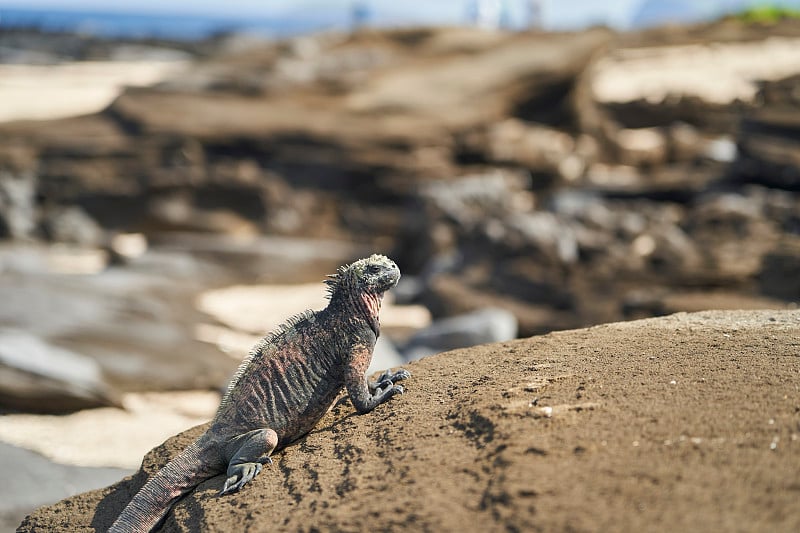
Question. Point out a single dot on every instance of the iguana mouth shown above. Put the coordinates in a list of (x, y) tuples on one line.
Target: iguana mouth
[(390, 284), (388, 281)]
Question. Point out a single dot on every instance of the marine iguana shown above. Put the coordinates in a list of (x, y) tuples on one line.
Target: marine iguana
[(281, 390)]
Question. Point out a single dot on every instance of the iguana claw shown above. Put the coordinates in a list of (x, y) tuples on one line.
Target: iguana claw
[(243, 474)]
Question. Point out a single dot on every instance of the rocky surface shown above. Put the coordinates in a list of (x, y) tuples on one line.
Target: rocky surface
[(75, 337), (541, 174), (483, 326), (689, 421), (115, 437), (79, 326), (500, 169)]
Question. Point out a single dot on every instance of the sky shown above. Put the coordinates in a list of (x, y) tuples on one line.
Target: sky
[(556, 13)]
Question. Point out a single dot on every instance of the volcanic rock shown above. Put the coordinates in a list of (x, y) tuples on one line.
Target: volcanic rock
[(622, 426)]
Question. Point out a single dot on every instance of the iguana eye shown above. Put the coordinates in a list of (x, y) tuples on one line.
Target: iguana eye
[(373, 269)]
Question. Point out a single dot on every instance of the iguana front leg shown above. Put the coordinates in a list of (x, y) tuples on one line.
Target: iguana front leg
[(246, 454), (364, 397), (388, 378)]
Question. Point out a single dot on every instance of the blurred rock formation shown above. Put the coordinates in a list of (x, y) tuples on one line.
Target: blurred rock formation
[(500, 170)]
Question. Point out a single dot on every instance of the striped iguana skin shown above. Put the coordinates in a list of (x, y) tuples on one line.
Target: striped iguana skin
[(283, 388)]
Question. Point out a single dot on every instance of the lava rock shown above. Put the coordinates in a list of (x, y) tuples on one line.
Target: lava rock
[(38, 376), (449, 296), (780, 271), (18, 216), (483, 326), (72, 225)]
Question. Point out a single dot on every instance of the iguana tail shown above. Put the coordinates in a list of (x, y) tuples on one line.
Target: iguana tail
[(161, 491)]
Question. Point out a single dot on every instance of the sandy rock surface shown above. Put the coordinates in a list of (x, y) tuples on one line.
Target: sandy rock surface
[(548, 174), (109, 436), (73, 88), (719, 72), (689, 421)]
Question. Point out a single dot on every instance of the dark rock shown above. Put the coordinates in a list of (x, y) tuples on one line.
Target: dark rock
[(470, 200), (137, 327), (478, 327), (586, 207), (669, 252), (18, 215), (544, 234), (529, 279), (643, 303), (72, 225), (675, 183), (770, 150), (709, 117), (780, 92), (37, 376), (447, 296), (780, 271), (731, 231), (538, 149), (769, 137), (659, 301), (450, 213)]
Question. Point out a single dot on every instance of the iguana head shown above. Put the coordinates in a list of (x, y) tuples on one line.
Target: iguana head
[(372, 275)]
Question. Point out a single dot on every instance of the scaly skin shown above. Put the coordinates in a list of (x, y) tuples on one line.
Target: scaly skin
[(288, 382)]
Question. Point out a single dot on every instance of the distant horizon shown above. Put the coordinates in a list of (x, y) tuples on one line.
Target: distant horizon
[(185, 19), (168, 25), (569, 14)]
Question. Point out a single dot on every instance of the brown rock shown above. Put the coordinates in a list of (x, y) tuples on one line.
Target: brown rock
[(770, 151), (641, 147), (617, 427), (448, 296), (36, 376), (658, 301), (539, 149), (678, 182), (780, 271), (733, 234)]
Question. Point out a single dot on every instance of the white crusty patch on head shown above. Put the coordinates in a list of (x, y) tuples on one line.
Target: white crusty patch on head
[(344, 272)]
